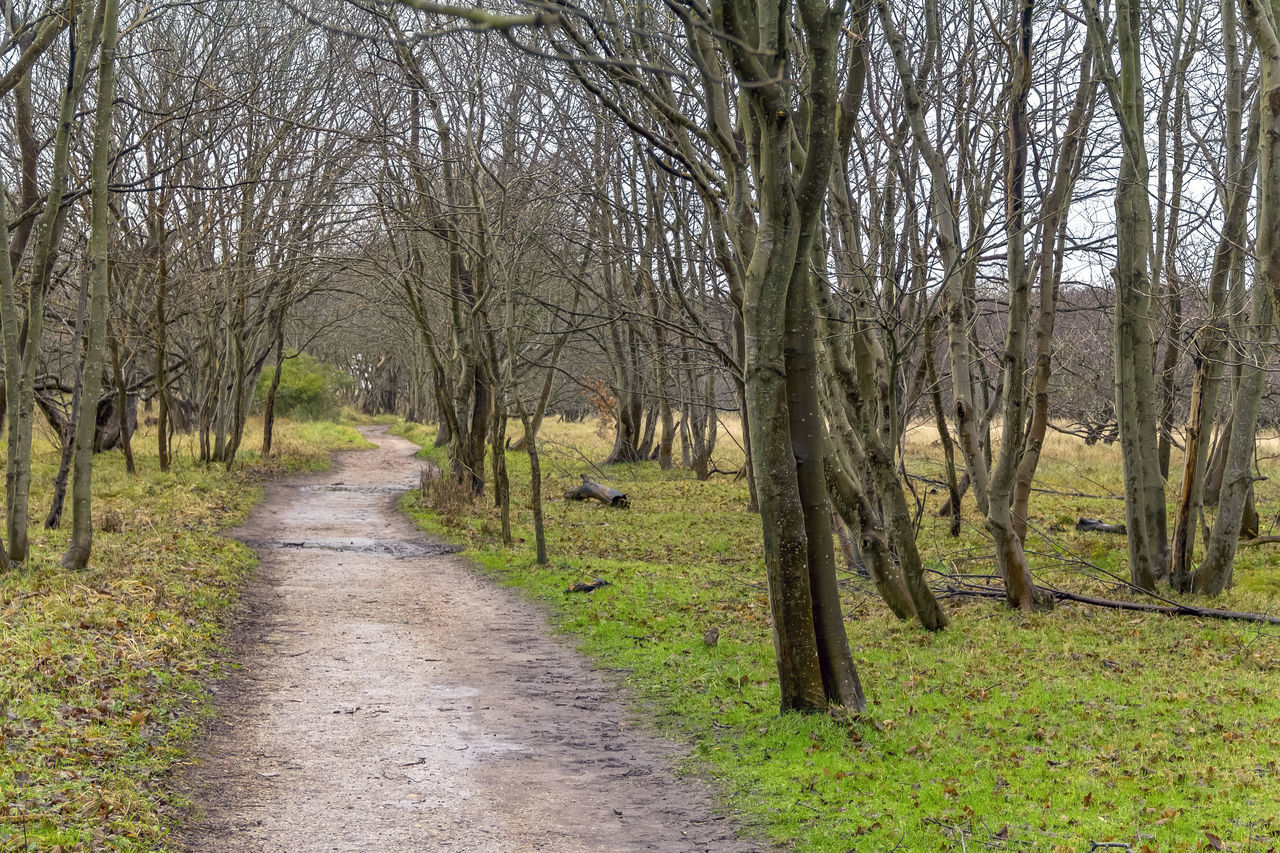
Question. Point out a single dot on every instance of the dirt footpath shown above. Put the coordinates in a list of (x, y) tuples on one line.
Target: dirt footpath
[(392, 700)]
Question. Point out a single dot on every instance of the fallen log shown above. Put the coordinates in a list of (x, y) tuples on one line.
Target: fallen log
[(588, 587), (1097, 525), (591, 490)]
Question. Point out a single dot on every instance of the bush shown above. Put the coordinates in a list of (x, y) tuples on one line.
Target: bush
[(308, 390)]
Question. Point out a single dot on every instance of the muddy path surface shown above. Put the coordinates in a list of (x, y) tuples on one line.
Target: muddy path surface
[(390, 699)]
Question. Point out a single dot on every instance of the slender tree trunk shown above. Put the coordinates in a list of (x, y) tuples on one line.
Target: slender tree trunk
[(162, 363), (66, 434), (1215, 572), (1134, 354), (1052, 249), (1020, 588), (269, 412), (122, 405), (77, 555), (237, 412), (956, 300), (667, 439), (535, 499), (952, 505), (22, 351), (1207, 355), (501, 483), (444, 407), (470, 468), (1207, 348)]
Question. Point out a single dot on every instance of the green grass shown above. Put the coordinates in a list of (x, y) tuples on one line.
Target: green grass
[(101, 671), (1044, 732)]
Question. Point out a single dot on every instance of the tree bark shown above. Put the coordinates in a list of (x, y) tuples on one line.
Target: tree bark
[(122, 406), (1020, 588), (1215, 571), (1209, 343), (814, 663), (1133, 349), (77, 555), (269, 411), (162, 355), (24, 336), (951, 507), (1052, 248)]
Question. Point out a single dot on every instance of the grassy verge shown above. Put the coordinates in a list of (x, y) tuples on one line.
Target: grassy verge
[(100, 671), (1048, 732)]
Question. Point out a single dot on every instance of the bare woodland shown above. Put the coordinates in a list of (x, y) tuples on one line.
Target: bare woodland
[(824, 220)]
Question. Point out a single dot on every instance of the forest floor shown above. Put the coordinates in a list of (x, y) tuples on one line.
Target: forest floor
[(388, 698), (1052, 731)]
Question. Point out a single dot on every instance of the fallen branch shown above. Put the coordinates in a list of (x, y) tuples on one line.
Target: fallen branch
[(1114, 604), (28, 817), (1042, 490), (1261, 540)]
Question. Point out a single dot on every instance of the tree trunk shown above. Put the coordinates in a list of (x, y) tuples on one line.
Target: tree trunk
[(851, 503), (269, 411), (815, 665), (66, 431), (808, 440), (444, 434), (77, 555), (1133, 349), (122, 406), (1020, 588), (1215, 572), (23, 342), (626, 440), (162, 361), (469, 461), (237, 413), (501, 483), (1052, 248), (1207, 348), (965, 412), (952, 505)]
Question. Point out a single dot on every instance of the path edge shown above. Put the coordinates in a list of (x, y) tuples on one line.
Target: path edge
[(680, 752), (243, 629)]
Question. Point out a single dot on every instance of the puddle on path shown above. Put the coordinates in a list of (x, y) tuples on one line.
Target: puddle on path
[(373, 490), (394, 548)]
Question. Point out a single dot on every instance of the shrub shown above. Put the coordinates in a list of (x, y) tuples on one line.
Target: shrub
[(309, 389)]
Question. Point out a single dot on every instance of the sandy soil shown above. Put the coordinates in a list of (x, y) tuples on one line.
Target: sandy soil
[(390, 699)]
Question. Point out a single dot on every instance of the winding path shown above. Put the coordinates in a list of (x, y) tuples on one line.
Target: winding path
[(392, 700)]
